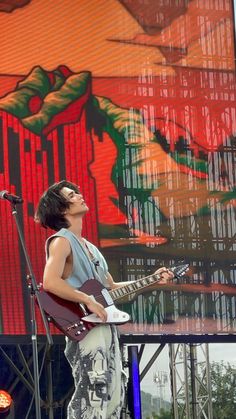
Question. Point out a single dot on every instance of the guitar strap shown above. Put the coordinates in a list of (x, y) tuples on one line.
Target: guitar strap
[(93, 260), (91, 256)]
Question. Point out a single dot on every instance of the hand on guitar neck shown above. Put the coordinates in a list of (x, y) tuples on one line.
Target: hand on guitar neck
[(162, 276), (166, 275)]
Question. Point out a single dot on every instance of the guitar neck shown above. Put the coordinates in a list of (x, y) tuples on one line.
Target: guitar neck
[(134, 287)]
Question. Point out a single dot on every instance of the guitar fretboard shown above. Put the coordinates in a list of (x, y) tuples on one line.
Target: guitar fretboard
[(134, 286)]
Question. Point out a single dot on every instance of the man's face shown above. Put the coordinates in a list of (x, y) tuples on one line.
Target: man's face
[(77, 203)]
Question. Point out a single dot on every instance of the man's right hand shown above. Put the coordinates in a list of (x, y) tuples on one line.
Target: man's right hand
[(96, 308)]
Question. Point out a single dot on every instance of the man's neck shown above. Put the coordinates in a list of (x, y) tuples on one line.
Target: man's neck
[(76, 226)]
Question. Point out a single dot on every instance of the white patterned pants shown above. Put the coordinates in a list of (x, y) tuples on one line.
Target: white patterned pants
[(97, 372)]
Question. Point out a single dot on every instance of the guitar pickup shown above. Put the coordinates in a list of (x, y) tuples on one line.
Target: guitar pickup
[(107, 297)]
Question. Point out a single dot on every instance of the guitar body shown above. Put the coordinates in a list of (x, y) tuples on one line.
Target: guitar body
[(73, 319)]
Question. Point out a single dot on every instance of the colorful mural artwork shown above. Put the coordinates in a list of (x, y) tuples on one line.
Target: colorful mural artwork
[(135, 102)]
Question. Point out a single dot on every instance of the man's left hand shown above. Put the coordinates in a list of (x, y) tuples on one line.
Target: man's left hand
[(166, 275)]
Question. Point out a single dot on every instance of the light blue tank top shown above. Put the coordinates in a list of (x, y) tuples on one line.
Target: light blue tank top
[(84, 267)]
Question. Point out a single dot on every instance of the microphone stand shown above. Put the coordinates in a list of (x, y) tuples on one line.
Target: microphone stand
[(33, 294)]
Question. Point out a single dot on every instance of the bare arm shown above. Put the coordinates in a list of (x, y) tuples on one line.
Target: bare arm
[(165, 274), (59, 251)]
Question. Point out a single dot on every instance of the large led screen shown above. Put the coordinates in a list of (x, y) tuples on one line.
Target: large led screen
[(135, 102)]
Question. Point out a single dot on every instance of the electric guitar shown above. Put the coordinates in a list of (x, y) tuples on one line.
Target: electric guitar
[(74, 319)]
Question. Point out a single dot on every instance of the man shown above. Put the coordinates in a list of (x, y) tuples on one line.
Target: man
[(71, 261)]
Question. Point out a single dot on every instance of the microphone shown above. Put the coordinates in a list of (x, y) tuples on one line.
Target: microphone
[(11, 198)]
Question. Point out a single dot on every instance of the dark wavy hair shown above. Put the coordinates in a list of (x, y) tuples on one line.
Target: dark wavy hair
[(52, 205)]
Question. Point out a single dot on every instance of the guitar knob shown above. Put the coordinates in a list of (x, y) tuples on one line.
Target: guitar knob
[(78, 333)]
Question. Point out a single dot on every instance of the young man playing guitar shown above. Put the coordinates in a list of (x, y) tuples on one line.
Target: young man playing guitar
[(71, 262)]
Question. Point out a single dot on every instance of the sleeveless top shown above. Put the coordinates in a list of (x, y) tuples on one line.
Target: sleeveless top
[(84, 267)]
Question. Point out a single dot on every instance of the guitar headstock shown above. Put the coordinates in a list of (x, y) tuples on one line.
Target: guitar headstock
[(180, 270)]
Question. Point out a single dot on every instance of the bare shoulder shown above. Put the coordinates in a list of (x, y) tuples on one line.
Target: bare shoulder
[(59, 246)]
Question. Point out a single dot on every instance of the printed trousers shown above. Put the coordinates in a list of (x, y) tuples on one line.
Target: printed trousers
[(97, 371)]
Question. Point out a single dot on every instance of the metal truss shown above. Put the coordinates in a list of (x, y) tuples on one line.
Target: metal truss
[(16, 363), (190, 381)]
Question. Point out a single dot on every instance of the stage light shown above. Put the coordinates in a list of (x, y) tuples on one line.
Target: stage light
[(5, 402)]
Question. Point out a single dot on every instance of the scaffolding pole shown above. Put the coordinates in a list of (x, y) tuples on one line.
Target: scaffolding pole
[(190, 381)]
